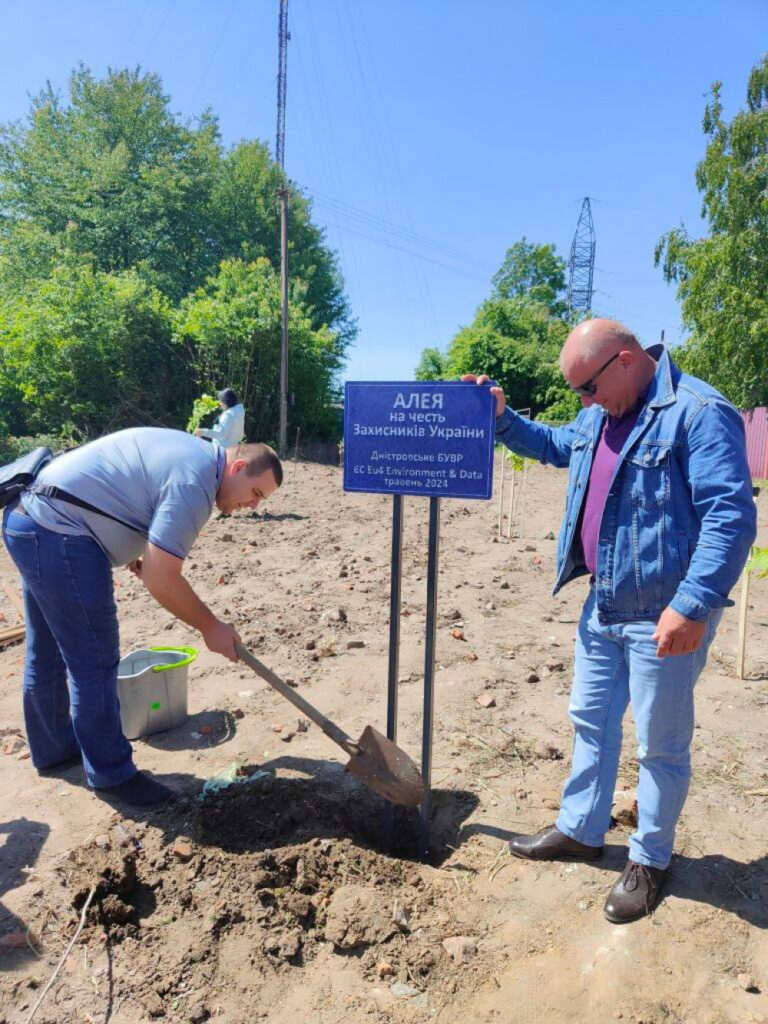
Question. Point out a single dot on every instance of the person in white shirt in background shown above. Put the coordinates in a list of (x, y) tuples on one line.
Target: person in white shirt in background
[(229, 428)]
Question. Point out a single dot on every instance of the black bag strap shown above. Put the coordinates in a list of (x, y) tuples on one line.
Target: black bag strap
[(71, 499), (17, 476)]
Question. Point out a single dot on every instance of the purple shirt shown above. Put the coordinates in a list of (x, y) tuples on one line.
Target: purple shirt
[(612, 437)]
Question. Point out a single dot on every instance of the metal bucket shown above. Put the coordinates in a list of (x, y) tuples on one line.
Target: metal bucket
[(152, 689)]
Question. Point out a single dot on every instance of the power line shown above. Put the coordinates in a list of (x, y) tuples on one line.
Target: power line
[(631, 209), (618, 302), (130, 37), (160, 28), (374, 221), (372, 137), (398, 177), (214, 51), (322, 126), (409, 252)]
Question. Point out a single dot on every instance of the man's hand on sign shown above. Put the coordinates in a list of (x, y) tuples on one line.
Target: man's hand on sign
[(677, 635), (220, 638), (496, 391)]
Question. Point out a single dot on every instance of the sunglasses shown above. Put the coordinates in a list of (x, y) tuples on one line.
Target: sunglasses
[(588, 388)]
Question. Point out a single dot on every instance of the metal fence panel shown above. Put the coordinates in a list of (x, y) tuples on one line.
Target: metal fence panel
[(756, 427)]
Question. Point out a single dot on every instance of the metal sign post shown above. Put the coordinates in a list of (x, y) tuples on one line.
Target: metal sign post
[(429, 670), (394, 646), (433, 440)]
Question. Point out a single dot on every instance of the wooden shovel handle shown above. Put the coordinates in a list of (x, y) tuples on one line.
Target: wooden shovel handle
[(331, 730)]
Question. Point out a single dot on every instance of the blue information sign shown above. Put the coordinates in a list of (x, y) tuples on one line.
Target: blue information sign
[(433, 439)]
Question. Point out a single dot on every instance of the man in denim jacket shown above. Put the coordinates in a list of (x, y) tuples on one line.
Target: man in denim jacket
[(659, 514)]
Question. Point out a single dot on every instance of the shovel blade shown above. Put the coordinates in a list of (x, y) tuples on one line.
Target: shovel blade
[(386, 769)]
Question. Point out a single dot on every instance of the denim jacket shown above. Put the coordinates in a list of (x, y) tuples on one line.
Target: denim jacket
[(679, 518)]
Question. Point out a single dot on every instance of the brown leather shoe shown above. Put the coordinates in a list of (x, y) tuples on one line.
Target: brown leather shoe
[(635, 894), (551, 844)]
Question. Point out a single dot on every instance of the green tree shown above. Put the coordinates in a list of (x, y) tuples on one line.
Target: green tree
[(432, 365), (247, 226), (115, 177), (517, 342), (109, 186), (85, 351), (722, 279), (231, 330), (533, 272), (516, 335), (117, 174)]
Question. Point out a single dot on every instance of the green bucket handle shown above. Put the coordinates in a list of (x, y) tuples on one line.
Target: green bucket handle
[(190, 653)]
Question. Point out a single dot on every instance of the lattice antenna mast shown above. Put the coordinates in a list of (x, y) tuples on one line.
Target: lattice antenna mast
[(282, 61), (282, 67), (581, 262)]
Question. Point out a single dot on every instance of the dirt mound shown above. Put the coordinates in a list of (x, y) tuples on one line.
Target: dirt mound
[(111, 873), (274, 811), (179, 901)]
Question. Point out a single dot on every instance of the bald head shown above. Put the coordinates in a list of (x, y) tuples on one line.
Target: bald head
[(594, 341), (586, 351)]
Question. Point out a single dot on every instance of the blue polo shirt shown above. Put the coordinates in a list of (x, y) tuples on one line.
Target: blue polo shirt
[(163, 482)]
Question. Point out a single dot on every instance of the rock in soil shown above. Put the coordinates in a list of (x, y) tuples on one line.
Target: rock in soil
[(334, 615), (624, 809), (747, 983), (460, 948), (401, 990), (153, 1004), (401, 918), (356, 918), (182, 850), (547, 752)]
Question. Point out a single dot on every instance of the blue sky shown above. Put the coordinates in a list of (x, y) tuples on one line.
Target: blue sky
[(435, 134)]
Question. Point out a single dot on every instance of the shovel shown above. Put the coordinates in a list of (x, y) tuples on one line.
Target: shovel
[(374, 760)]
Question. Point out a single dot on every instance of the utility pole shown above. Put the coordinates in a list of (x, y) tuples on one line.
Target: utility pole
[(581, 262), (282, 44)]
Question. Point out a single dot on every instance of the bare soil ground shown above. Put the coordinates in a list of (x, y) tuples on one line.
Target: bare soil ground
[(273, 902)]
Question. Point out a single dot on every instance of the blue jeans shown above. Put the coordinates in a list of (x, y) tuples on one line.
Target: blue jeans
[(615, 665), (70, 671)]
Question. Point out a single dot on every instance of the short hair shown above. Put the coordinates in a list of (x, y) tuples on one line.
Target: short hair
[(228, 397), (260, 457)]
